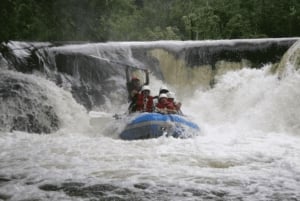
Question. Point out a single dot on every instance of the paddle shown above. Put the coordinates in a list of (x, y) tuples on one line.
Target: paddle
[(120, 116)]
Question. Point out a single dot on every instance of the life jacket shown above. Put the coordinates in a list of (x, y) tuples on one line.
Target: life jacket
[(175, 104), (169, 107), (161, 105), (144, 104)]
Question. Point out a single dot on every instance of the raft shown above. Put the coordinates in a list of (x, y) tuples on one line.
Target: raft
[(154, 125)]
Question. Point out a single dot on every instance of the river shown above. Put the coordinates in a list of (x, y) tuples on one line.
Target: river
[(248, 148)]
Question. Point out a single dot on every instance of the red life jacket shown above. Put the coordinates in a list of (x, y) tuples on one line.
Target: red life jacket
[(144, 104), (167, 105), (176, 106), (161, 105)]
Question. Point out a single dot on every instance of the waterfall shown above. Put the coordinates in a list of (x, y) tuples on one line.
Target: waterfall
[(290, 61), (95, 73)]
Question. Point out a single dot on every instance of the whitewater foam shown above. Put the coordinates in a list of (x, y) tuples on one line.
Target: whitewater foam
[(248, 150), (253, 98)]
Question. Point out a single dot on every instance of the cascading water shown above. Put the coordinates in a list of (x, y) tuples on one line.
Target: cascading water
[(248, 148)]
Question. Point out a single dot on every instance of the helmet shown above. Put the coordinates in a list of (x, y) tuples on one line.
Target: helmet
[(163, 96), (163, 89), (145, 87), (171, 95)]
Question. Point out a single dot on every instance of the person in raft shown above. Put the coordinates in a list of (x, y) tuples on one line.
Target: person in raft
[(162, 90), (134, 86), (175, 104), (144, 101), (164, 106)]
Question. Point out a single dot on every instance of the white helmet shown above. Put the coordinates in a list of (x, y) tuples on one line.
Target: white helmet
[(163, 96), (145, 87), (163, 88), (171, 95)]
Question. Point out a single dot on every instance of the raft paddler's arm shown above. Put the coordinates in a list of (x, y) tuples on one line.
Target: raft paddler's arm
[(133, 93), (147, 77), (170, 111), (160, 110), (127, 74)]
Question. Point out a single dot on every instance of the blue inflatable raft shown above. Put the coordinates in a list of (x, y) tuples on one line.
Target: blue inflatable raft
[(153, 125)]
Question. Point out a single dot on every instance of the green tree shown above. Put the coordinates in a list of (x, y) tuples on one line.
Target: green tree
[(116, 20), (237, 27), (7, 22), (203, 23)]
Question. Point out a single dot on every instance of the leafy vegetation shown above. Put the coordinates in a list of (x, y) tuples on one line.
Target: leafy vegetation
[(127, 20)]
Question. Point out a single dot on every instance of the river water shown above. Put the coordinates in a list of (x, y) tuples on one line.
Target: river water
[(248, 149)]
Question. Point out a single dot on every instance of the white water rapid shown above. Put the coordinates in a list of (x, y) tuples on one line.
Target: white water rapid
[(248, 149)]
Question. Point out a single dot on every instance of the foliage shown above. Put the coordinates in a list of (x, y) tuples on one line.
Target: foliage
[(125, 20)]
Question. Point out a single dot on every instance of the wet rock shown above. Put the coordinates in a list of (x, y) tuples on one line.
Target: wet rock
[(4, 196), (50, 187), (109, 192), (4, 179), (141, 186), (24, 105), (123, 191), (89, 78), (88, 191), (93, 192), (207, 195), (32, 199)]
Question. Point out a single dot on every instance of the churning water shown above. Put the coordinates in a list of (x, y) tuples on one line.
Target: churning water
[(248, 149)]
